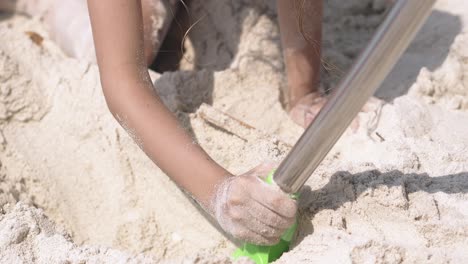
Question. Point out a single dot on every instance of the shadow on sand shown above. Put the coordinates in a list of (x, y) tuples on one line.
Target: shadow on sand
[(344, 187)]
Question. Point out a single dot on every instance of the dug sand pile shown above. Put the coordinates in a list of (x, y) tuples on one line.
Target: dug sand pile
[(394, 191)]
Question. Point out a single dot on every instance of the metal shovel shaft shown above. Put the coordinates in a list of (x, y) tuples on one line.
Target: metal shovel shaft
[(376, 61)]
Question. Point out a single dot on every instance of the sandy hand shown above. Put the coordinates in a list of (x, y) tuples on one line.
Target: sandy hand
[(307, 108), (304, 112), (251, 210)]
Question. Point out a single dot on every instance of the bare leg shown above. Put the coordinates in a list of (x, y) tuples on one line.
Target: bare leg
[(29, 7), (77, 39), (157, 18), (69, 25)]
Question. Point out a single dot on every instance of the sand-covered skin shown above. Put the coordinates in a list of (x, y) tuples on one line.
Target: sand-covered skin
[(395, 191)]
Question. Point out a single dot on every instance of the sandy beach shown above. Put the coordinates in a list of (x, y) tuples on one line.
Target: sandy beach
[(75, 188)]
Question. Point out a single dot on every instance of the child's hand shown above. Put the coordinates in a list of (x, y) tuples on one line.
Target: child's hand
[(307, 108), (251, 210), (304, 112)]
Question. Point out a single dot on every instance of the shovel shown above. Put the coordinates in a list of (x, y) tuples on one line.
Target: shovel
[(369, 71)]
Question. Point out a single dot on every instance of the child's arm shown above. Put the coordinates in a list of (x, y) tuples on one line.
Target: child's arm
[(302, 53), (244, 206), (118, 36)]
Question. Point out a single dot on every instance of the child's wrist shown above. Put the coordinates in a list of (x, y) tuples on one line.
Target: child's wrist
[(213, 188)]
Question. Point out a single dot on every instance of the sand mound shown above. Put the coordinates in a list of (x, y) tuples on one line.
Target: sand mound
[(27, 235), (446, 86), (400, 198), (106, 177), (395, 191)]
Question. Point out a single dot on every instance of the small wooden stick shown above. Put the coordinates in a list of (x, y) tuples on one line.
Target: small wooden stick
[(235, 126)]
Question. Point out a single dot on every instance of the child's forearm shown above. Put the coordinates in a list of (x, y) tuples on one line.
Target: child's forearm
[(301, 40), (118, 36), (159, 134)]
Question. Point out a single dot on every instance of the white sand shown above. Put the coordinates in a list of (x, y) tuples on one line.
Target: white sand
[(393, 192)]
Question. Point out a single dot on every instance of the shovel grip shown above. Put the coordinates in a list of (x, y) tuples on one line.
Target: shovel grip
[(267, 254)]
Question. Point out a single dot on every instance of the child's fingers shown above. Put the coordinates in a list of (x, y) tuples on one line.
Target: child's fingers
[(275, 200)]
